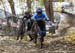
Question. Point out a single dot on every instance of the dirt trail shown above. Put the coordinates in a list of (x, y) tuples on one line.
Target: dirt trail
[(52, 45)]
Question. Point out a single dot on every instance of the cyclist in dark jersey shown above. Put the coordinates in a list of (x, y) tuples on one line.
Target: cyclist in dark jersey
[(27, 17)]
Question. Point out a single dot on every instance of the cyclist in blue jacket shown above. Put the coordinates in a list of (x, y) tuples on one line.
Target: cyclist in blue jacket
[(40, 18)]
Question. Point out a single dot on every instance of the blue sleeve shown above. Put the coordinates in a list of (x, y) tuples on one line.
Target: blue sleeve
[(33, 17), (45, 16)]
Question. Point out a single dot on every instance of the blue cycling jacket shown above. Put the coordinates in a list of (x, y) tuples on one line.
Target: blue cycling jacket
[(43, 16)]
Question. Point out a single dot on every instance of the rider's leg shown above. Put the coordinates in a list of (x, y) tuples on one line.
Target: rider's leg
[(18, 37), (31, 38), (43, 28), (41, 39), (28, 29), (22, 35), (35, 38)]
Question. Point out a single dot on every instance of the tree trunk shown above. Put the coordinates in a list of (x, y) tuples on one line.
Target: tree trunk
[(49, 9), (5, 13), (4, 7), (11, 2), (29, 5)]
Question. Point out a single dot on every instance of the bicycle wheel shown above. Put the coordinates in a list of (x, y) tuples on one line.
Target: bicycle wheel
[(39, 41)]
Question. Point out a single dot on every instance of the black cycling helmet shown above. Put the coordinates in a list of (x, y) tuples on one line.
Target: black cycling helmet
[(27, 13), (39, 11)]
